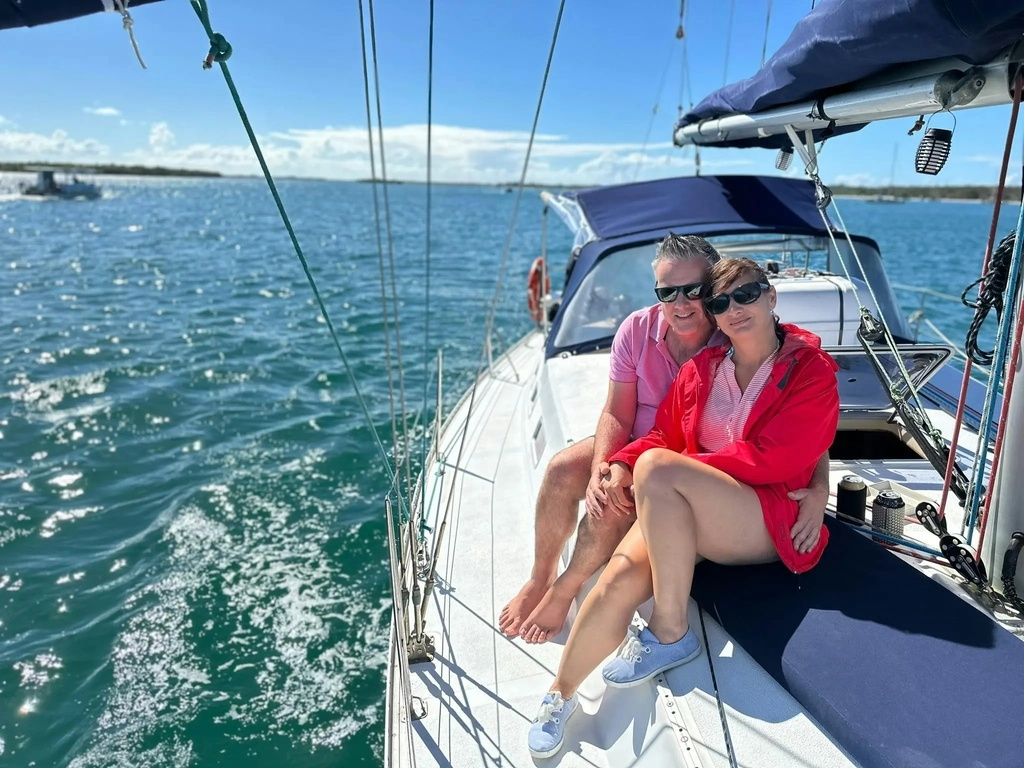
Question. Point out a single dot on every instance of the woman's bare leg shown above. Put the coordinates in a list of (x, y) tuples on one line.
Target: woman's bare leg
[(685, 507), (605, 615)]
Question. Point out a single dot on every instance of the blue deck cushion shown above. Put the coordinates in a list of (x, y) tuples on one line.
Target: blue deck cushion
[(899, 670)]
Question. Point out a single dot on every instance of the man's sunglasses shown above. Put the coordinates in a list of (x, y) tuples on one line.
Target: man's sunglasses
[(747, 293), (668, 293)]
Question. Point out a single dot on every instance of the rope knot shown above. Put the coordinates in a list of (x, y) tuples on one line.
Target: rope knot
[(220, 50)]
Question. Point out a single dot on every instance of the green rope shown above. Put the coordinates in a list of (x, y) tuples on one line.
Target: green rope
[(220, 51)]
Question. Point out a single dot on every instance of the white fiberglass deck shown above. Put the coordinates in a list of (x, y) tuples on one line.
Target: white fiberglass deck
[(483, 689)]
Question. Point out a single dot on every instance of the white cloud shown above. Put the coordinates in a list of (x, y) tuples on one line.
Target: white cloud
[(161, 137), (2, 119), (459, 155), (857, 180), (103, 111), (16, 145)]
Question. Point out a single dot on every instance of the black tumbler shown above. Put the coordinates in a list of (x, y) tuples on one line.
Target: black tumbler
[(852, 498)]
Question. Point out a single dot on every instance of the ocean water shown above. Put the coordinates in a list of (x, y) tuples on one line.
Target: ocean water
[(193, 567)]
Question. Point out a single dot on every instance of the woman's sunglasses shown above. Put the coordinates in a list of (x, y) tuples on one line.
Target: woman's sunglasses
[(668, 293), (747, 293)]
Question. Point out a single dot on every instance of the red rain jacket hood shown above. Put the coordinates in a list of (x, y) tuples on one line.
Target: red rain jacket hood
[(791, 424)]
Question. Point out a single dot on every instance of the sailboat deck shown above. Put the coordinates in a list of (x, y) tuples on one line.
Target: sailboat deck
[(482, 690)]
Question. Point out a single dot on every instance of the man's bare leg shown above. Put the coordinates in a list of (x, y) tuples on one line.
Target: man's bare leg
[(595, 543), (564, 486)]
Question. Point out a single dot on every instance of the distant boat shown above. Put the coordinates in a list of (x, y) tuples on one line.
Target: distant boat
[(61, 184)]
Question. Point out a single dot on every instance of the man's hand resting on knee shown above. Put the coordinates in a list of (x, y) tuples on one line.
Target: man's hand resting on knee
[(618, 487), (597, 500)]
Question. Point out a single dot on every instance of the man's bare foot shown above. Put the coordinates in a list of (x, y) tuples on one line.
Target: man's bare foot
[(519, 607), (548, 617)]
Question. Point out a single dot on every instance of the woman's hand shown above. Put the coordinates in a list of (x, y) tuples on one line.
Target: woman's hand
[(618, 487), (807, 529)]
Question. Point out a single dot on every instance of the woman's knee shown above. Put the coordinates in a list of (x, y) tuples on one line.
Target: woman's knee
[(660, 467), (624, 573)]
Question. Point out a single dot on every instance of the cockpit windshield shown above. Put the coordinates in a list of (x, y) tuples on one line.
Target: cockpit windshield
[(622, 281)]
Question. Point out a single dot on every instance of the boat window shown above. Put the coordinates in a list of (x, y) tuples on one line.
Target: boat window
[(874, 273), (623, 281)]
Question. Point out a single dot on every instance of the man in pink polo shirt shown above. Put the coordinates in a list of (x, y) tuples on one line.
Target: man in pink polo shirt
[(647, 352)]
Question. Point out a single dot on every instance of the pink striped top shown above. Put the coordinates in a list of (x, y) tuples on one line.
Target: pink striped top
[(725, 414)]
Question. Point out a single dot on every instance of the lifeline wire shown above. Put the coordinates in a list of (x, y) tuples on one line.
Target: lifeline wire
[(220, 51)]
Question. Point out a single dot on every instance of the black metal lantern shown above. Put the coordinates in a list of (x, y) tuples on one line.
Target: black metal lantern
[(933, 151), (784, 158)]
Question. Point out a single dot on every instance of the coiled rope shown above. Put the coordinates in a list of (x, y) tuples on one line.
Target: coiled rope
[(993, 285)]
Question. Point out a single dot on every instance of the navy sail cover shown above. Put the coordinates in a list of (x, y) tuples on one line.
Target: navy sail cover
[(33, 13), (841, 42)]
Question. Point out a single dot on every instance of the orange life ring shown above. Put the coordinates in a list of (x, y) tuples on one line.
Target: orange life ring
[(534, 294)]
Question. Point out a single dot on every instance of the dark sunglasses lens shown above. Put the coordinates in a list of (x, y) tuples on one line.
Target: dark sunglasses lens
[(747, 294), (666, 293), (718, 304), (693, 291)]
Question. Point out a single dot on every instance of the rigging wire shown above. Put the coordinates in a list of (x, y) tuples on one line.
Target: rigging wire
[(380, 243), (767, 25), (684, 75), (426, 255), (497, 288), (219, 51), (997, 205), (728, 43), (654, 111), (975, 490), (916, 420), (391, 255), (1004, 413)]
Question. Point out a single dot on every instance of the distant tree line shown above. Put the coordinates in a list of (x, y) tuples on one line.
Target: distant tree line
[(986, 193), (111, 170)]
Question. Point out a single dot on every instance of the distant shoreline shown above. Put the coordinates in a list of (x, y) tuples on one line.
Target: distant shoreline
[(110, 169), (952, 193)]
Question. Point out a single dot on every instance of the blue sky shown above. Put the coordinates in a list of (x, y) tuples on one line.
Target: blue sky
[(74, 92)]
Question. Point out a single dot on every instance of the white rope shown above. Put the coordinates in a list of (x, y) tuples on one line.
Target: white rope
[(128, 22)]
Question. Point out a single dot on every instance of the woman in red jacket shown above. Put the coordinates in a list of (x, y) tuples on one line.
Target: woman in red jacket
[(741, 428)]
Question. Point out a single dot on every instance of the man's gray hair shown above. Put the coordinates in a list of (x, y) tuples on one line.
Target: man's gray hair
[(685, 248)]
